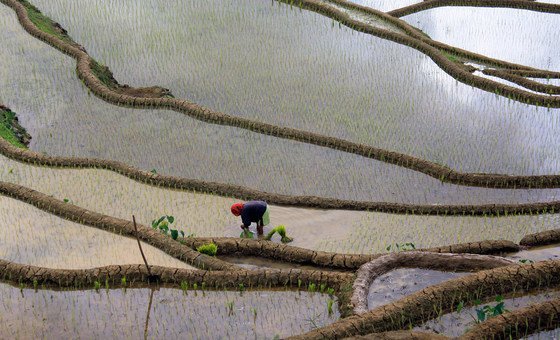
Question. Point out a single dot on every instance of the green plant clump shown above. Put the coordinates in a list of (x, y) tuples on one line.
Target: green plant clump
[(163, 225), (105, 75), (209, 249), (489, 311), (281, 230), (401, 246), (44, 23), (9, 127)]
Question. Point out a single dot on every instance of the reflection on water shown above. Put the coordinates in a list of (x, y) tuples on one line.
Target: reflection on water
[(514, 35), (231, 56), (402, 282)]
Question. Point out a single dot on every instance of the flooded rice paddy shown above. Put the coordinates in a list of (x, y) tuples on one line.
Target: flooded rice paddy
[(173, 313), (111, 194), (402, 282), (518, 36), (233, 56), (312, 85), (455, 324), (31, 236)]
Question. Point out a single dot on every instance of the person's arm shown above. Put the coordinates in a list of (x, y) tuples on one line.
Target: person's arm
[(246, 219)]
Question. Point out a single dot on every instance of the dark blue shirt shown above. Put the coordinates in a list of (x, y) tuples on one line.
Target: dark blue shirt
[(252, 211)]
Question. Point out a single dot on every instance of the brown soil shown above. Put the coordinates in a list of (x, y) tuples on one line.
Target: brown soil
[(541, 239), (76, 278)]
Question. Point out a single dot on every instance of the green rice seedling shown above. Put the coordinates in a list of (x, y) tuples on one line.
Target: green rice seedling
[(281, 230), (96, 285), (254, 312), (330, 292), (123, 281), (312, 287), (460, 306), (230, 306), (247, 234), (209, 249), (330, 303), (525, 261), (184, 286)]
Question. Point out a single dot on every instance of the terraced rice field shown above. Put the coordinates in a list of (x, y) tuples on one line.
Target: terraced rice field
[(410, 149)]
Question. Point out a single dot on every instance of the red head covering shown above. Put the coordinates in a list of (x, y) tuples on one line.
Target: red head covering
[(236, 208)]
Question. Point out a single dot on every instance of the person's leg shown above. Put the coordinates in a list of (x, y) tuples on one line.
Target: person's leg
[(260, 230)]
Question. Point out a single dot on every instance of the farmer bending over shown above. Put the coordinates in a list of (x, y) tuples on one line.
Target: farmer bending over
[(252, 211)]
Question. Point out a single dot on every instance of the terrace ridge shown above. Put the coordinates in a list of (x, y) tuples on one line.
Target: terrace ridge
[(85, 66)]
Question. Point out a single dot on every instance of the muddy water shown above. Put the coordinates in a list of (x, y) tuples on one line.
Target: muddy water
[(329, 80), (517, 36), (455, 324), (207, 215), (538, 254), (173, 314), (31, 236), (402, 282), (548, 335)]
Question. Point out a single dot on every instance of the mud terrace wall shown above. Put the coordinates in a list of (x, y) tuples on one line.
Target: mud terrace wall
[(85, 278), (283, 252), (445, 262), (503, 277), (229, 190), (519, 323), (413, 38), (441, 298), (519, 4)]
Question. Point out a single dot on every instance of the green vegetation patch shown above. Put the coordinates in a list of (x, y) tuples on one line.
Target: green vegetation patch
[(10, 129), (105, 75), (45, 23), (209, 249)]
